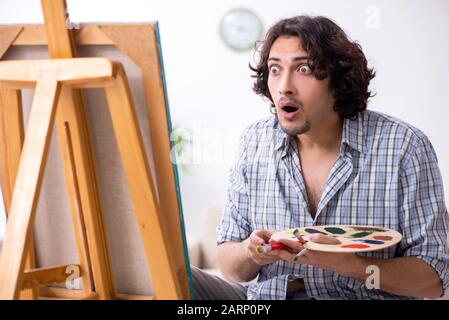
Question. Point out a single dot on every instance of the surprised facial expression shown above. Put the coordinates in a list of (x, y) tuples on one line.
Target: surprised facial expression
[(302, 102)]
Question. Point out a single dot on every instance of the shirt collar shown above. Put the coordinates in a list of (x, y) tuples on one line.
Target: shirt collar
[(282, 139), (352, 135)]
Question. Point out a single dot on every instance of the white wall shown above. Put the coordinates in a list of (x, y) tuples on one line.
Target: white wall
[(209, 86)]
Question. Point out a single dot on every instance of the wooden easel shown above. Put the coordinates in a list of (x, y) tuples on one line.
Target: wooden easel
[(57, 88)]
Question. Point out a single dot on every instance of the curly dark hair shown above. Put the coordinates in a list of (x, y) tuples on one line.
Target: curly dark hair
[(331, 53)]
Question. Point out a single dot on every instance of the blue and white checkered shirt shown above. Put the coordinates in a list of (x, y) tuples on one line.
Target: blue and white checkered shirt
[(385, 175)]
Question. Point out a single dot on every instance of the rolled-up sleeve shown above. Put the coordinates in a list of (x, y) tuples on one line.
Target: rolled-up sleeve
[(424, 218), (234, 224)]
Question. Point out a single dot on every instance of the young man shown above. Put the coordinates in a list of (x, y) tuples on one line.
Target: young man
[(324, 159)]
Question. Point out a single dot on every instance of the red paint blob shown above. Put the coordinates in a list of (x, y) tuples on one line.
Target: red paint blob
[(385, 238), (355, 246)]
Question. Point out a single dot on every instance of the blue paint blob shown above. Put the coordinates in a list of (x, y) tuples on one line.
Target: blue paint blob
[(371, 241)]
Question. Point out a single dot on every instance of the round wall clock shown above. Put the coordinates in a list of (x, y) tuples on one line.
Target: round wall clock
[(240, 28)]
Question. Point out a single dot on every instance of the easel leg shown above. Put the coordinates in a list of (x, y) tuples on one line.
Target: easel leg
[(83, 194), (141, 187), (78, 216), (87, 202), (27, 184), (11, 141)]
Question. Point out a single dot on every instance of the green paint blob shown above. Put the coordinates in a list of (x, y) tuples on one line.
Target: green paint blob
[(335, 230), (312, 231), (361, 234)]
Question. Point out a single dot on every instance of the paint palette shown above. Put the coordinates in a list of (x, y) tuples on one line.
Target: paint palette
[(353, 238)]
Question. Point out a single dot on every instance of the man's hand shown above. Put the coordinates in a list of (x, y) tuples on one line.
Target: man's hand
[(258, 238), (240, 262), (342, 263)]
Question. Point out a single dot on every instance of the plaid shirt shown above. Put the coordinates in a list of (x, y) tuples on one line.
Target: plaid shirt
[(385, 175)]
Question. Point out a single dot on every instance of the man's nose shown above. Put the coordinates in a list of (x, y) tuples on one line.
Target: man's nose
[(286, 86)]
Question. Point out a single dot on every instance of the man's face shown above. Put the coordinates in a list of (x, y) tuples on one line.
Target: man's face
[(302, 102)]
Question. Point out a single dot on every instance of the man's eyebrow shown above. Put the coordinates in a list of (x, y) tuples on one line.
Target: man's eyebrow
[(294, 59)]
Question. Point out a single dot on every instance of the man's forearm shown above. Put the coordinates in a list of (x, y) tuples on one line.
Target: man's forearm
[(233, 262), (405, 276)]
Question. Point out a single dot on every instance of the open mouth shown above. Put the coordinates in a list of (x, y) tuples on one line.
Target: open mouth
[(289, 109)]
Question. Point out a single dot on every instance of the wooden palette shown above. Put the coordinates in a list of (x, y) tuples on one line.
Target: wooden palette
[(353, 238)]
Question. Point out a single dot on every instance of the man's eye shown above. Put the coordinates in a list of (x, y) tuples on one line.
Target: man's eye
[(274, 69), (305, 69)]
